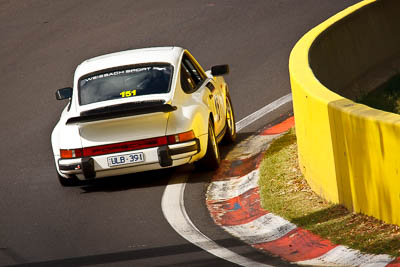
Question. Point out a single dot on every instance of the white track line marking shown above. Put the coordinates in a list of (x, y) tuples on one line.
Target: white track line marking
[(344, 256), (263, 111), (172, 205)]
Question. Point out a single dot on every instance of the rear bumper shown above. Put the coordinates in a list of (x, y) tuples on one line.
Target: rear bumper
[(155, 158)]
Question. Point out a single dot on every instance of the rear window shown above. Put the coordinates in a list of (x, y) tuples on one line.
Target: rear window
[(125, 83)]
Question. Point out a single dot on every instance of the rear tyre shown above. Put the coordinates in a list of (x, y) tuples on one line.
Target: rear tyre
[(230, 125), (67, 181), (212, 158)]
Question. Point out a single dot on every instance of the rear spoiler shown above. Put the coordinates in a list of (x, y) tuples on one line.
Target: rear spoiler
[(122, 110)]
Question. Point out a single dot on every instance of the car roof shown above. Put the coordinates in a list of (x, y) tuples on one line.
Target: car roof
[(170, 54)]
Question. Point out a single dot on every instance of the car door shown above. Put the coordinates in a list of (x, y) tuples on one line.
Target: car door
[(194, 78)]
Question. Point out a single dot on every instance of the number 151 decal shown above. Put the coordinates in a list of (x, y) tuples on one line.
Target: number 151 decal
[(128, 93)]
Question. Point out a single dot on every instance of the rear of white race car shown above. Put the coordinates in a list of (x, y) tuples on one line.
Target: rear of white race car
[(126, 145), (131, 129), (129, 157), (128, 112)]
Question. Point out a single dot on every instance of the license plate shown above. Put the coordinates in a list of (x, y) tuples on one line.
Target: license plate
[(125, 159)]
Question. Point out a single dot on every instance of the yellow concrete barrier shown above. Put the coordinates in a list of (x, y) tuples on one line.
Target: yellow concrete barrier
[(348, 152)]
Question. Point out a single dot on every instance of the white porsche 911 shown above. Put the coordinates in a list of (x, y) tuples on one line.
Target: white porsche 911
[(141, 110)]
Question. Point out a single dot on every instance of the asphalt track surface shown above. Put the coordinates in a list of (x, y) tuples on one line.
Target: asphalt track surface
[(119, 221)]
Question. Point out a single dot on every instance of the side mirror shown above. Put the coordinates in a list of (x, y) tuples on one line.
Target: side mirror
[(64, 93), (219, 70)]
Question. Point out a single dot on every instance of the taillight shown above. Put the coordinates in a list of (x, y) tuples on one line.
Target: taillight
[(182, 137), (71, 153), (124, 146), (127, 146)]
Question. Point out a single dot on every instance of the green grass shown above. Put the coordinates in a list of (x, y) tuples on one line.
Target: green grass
[(285, 192), (386, 97)]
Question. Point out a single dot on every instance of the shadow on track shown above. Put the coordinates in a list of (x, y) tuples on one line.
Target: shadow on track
[(126, 182), (131, 255)]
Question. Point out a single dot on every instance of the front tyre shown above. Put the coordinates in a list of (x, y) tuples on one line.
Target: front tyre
[(230, 124), (212, 158)]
